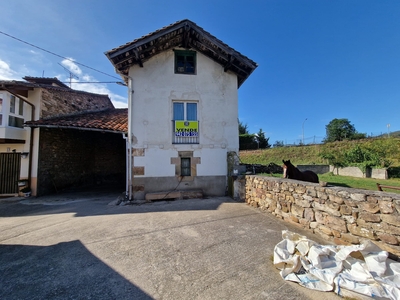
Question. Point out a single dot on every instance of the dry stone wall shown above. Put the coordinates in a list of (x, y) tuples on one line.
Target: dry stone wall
[(338, 214)]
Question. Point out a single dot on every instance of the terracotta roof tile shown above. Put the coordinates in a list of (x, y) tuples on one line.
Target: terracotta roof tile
[(111, 120)]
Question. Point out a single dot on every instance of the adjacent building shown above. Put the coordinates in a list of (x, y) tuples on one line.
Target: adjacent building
[(53, 137)]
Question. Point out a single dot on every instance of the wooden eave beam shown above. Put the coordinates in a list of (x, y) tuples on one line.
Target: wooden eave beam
[(19, 90), (206, 36), (136, 56), (186, 37), (229, 63), (146, 40)]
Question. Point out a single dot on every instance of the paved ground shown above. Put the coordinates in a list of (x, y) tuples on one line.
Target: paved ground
[(77, 246)]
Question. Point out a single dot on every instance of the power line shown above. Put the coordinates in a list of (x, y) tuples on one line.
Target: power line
[(92, 82), (15, 38), (71, 75)]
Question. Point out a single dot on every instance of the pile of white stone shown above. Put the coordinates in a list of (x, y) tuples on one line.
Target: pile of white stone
[(364, 269)]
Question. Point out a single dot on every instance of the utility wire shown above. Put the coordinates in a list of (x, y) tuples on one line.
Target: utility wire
[(13, 37), (90, 81)]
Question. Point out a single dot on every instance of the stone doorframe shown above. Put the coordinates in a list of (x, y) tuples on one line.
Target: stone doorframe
[(194, 161)]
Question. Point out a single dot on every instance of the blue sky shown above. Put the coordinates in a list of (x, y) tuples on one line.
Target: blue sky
[(318, 59)]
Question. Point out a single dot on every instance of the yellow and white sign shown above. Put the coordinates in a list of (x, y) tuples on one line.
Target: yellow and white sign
[(187, 128)]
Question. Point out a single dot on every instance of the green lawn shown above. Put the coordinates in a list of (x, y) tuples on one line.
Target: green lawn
[(354, 182)]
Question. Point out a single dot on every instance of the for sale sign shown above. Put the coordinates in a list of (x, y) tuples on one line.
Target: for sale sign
[(187, 128)]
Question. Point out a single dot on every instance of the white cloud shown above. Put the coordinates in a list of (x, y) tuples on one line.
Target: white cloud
[(70, 65), (119, 104), (87, 78), (89, 84), (6, 73), (99, 88)]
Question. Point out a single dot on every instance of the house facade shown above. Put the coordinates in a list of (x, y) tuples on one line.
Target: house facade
[(43, 157), (183, 109)]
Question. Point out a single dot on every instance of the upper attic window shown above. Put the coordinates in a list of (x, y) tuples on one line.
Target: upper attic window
[(185, 62)]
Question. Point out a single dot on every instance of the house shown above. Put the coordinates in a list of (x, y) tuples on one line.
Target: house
[(53, 137), (183, 109)]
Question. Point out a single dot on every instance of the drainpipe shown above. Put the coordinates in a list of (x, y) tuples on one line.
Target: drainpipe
[(31, 132), (128, 138), (129, 152), (125, 137)]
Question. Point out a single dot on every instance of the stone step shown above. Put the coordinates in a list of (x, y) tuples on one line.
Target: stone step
[(185, 194)]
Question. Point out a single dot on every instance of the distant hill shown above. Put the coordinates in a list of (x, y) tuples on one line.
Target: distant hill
[(392, 134), (310, 154)]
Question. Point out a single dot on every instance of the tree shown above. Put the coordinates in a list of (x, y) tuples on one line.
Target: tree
[(262, 140), (341, 129), (334, 158), (243, 128), (279, 144), (247, 142)]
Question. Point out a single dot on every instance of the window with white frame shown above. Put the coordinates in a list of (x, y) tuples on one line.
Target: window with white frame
[(13, 99), (185, 111), (21, 107), (15, 117), (1, 109), (185, 123)]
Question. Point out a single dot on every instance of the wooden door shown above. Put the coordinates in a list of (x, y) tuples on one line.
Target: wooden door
[(10, 167)]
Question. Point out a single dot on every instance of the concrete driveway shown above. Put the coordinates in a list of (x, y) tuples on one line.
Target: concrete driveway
[(76, 246)]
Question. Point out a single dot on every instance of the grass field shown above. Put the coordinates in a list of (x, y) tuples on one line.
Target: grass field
[(310, 154), (354, 182)]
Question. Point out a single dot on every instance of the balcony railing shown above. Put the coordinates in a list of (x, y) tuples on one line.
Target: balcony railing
[(185, 132)]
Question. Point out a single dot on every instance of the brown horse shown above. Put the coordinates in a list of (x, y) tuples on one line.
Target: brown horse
[(291, 172)]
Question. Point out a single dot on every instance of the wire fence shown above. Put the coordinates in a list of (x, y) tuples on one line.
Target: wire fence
[(313, 140)]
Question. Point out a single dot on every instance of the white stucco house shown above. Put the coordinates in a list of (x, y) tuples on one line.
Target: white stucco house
[(182, 111)]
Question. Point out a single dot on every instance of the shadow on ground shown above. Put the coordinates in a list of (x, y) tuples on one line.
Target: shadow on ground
[(99, 202), (61, 271)]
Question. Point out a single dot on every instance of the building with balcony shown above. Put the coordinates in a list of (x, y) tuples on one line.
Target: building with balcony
[(183, 109), (53, 137)]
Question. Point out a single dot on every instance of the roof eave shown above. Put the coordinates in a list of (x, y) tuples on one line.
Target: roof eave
[(74, 127), (184, 34)]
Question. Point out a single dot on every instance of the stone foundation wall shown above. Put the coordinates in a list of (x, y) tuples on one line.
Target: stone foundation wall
[(211, 186), (338, 214)]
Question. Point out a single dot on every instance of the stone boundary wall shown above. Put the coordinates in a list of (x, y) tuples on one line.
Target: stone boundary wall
[(338, 214), (319, 169), (347, 171)]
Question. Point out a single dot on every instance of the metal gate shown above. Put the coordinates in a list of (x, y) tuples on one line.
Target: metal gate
[(10, 167)]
